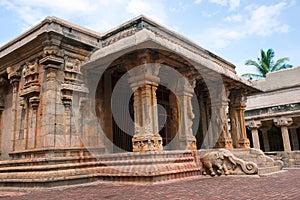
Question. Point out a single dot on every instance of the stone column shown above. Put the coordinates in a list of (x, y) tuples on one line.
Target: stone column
[(184, 92), (224, 141), (144, 81), (283, 124), (203, 117), (14, 77), (236, 111), (294, 137), (266, 139), (254, 126)]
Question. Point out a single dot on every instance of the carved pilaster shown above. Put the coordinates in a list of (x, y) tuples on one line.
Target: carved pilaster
[(14, 78), (236, 111), (184, 92), (52, 63), (144, 81), (254, 126), (283, 124)]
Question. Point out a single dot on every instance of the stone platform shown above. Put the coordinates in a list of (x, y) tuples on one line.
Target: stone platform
[(147, 167)]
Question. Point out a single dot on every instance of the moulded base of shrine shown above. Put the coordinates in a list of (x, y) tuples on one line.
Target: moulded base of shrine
[(138, 167)]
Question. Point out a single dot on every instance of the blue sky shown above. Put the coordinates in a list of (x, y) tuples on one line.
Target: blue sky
[(233, 29)]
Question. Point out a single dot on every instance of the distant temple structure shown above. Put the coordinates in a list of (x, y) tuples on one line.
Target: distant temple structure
[(68, 93), (273, 117)]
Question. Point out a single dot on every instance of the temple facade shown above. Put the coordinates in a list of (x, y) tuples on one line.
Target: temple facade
[(273, 117), (139, 87)]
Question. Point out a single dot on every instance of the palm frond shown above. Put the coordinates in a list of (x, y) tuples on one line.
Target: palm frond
[(249, 75), (285, 66), (280, 62)]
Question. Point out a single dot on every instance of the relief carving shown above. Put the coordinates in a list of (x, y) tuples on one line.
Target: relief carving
[(223, 162), (31, 86)]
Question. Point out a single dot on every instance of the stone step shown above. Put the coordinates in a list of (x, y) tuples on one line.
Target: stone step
[(268, 170), (143, 167), (53, 166), (121, 173), (120, 157)]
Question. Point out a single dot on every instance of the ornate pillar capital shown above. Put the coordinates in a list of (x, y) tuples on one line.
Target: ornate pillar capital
[(145, 74), (238, 98), (252, 125), (13, 75), (283, 121)]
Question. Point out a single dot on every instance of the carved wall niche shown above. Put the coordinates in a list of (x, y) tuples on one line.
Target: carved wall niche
[(72, 79)]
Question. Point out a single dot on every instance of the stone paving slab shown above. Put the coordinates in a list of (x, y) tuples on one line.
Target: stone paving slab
[(277, 186)]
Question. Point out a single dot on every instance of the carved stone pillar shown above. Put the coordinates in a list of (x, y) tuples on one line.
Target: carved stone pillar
[(221, 125), (14, 77), (236, 111), (254, 126), (283, 124), (144, 81), (184, 92), (294, 138)]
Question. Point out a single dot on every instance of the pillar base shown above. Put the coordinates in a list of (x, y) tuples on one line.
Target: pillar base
[(225, 143), (188, 144), (146, 143), (244, 143)]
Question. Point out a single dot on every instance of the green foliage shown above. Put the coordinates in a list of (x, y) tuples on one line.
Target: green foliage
[(266, 64)]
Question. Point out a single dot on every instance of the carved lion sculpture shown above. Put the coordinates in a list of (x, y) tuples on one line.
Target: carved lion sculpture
[(219, 161)]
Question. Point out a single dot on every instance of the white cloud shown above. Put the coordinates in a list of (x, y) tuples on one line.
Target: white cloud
[(257, 21), (154, 9), (234, 18), (197, 1), (233, 4), (264, 20)]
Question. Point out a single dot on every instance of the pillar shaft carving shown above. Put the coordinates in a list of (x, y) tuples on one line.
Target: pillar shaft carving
[(144, 81), (283, 124), (220, 121), (184, 92), (236, 111)]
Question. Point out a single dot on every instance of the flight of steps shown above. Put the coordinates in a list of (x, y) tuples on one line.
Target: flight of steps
[(265, 164), (131, 167), (289, 159)]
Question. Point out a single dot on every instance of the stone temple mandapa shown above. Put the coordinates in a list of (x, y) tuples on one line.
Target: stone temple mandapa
[(137, 103)]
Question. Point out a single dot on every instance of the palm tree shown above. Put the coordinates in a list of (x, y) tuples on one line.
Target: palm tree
[(266, 64)]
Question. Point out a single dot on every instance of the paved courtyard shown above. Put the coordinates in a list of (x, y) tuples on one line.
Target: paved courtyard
[(284, 185)]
